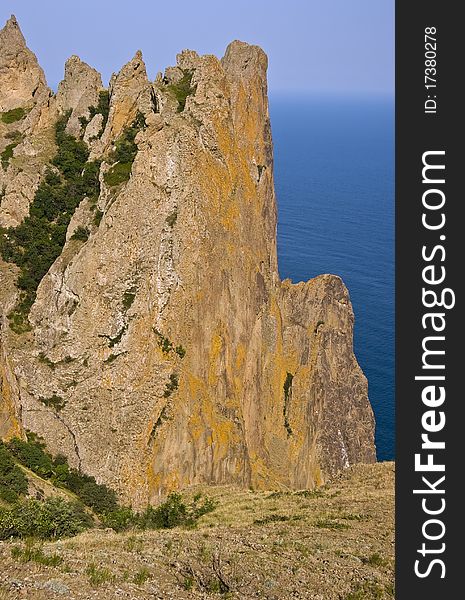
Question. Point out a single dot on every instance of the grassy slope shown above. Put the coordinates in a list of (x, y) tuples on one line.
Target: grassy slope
[(333, 545)]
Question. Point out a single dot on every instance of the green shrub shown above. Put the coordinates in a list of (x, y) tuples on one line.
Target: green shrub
[(111, 358), (174, 512), (118, 174), (7, 154), (171, 386), (102, 108), (272, 519), (81, 233), (124, 154), (96, 495), (287, 387), (180, 351), (142, 576), (163, 342), (98, 217), (52, 518), (13, 482), (43, 358), (368, 590), (32, 455), (120, 519), (375, 560), (172, 218), (56, 402), (13, 115), (99, 575), (182, 89), (128, 298)]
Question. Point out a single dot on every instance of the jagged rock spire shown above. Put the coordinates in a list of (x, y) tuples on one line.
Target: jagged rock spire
[(78, 91), (21, 77)]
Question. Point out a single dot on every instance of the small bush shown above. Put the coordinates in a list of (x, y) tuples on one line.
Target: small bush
[(118, 174), (163, 342), (102, 108), (128, 298), (272, 519), (56, 402), (124, 153), (99, 575), (111, 358), (52, 518), (81, 233), (32, 455), (171, 386), (368, 590), (182, 89), (7, 155), (13, 482), (13, 115), (142, 576), (174, 512), (120, 519), (14, 136), (172, 218), (180, 351), (375, 560), (98, 217), (43, 358)]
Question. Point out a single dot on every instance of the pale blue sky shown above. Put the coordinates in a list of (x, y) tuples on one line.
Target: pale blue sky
[(314, 46)]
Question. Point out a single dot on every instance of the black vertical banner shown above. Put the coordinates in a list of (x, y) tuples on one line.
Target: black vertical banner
[(430, 511)]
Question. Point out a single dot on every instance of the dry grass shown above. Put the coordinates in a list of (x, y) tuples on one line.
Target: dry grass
[(336, 544)]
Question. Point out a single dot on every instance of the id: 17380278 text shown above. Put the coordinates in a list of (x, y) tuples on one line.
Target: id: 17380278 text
[(430, 70)]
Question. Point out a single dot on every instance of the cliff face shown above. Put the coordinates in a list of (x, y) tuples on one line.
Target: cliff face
[(173, 351)]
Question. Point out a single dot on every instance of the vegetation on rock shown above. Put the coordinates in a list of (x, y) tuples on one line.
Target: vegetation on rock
[(56, 517), (13, 115), (37, 242), (171, 386), (13, 482), (81, 233), (124, 154), (182, 89), (50, 518), (7, 154), (287, 387), (56, 402), (33, 455), (102, 108)]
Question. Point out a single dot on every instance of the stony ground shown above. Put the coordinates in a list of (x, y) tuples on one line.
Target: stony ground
[(333, 544)]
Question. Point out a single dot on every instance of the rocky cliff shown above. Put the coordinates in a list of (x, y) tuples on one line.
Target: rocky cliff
[(147, 334)]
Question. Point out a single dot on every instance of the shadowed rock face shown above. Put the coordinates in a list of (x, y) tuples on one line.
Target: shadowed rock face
[(181, 356)]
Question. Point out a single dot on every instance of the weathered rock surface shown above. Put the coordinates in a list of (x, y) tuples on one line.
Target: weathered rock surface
[(78, 91), (21, 77), (179, 354)]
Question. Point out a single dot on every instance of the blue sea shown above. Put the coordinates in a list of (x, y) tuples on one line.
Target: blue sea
[(334, 174)]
